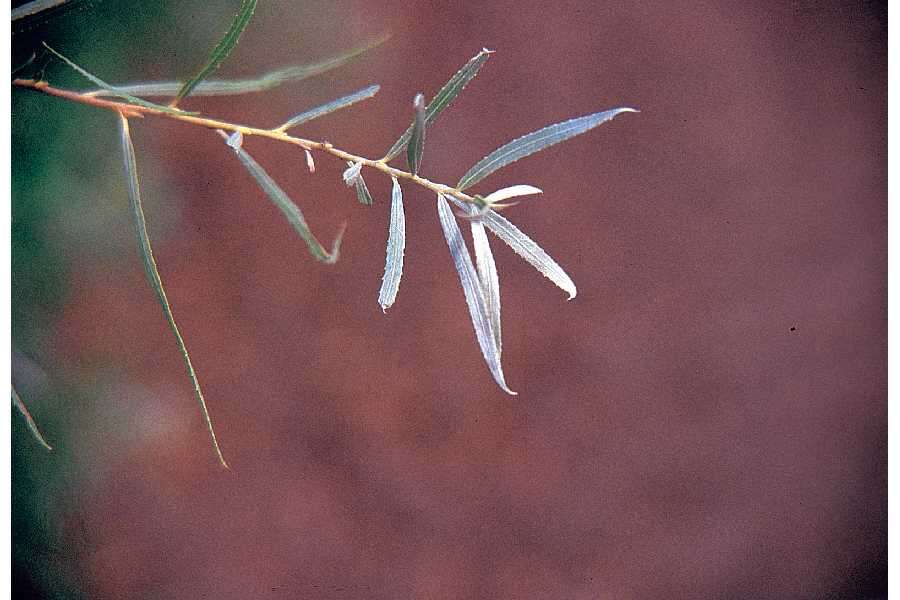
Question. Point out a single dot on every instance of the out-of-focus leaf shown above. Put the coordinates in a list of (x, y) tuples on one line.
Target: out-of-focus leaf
[(330, 107), (362, 192), (393, 262), (290, 210), (230, 87), (222, 49), (29, 420), (535, 142), (32, 8), (525, 247), (443, 98), (478, 310), (140, 226), (487, 275), (113, 92), (417, 141), (24, 65)]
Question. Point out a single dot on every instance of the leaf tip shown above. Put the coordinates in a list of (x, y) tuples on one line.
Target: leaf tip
[(336, 245)]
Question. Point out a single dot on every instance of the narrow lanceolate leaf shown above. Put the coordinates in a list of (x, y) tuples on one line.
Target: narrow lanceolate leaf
[(140, 225), (230, 87), (290, 210), (222, 49), (330, 107), (535, 142), (113, 91), (29, 420), (417, 141), (478, 309), (362, 192), (525, 247), (443, 98), (487, 275), (393, 262)]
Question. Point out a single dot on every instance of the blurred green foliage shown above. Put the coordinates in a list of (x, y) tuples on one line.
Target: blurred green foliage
[(56, 148)]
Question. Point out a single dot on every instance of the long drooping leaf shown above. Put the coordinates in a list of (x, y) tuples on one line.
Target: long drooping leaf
[(28, 419), (290, 210), (478, 310), (487, 275), (535, 142), (222, 49), (140, 226), (525, 247), (113, 91), (230, 87), (417, 141), (330, 107), (484, 257), (393, 261), (443, 98)]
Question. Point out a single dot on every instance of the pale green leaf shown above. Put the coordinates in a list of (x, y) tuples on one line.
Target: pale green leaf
[(524, 246), (417, 141), (330, 107), (478, 309), (113, 91), (222, 49), (17, 401), (487, 275), (393, 262), (140, 226), (443, 98), (290, 210), (362, 192), (229, 87), (535, 142)]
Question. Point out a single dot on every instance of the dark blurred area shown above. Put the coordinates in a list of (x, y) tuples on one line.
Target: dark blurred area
[(707, 419)]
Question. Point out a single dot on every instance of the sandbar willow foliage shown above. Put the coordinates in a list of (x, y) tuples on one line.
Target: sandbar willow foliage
[(479, 279)]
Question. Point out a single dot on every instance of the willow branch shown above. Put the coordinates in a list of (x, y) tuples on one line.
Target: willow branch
[(132, 110)]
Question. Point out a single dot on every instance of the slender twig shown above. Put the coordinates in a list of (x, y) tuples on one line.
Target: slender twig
[(132, 110)]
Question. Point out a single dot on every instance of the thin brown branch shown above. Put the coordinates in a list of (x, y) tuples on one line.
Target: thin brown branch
[(133, 110)]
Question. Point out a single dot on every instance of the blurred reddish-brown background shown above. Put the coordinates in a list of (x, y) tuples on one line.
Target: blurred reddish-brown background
[(706, 420)]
